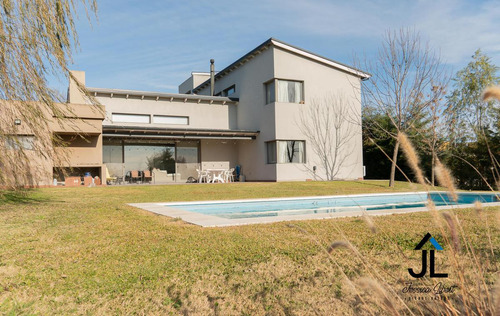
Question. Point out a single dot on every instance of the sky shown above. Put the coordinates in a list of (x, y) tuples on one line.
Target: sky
[(155, 45)]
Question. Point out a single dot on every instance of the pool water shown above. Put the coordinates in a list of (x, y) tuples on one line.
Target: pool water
[(329, 204)]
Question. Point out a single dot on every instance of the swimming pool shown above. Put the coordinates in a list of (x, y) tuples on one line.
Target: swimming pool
[(237, 212)]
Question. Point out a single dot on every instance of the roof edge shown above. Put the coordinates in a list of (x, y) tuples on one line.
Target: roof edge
[(162, 95), (294, 49)]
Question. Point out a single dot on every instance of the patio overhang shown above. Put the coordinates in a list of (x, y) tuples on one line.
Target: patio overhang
[(134, 132)]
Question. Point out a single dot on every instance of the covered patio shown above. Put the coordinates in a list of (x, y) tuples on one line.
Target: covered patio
[(165, 155)]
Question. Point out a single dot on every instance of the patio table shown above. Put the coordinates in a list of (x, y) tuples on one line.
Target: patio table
[(217, 174)]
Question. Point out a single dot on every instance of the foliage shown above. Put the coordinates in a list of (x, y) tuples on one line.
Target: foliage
[(378, 144), (163, 160), (467, 113), (37, 40)]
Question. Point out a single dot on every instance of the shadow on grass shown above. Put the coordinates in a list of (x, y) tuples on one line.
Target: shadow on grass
[(21, 197), (382, 184)]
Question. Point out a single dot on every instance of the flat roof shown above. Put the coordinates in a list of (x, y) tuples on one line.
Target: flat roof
[(122, 131), (299, 51), (160, 95)]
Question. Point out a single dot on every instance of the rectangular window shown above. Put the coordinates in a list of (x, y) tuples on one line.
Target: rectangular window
[(130, 118), (286, 151), (227, 92), (271, 152), (290, 91), (20, 142), (270, 92), (174, 120)]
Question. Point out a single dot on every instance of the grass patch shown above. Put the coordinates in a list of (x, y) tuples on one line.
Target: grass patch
[(84, 251)]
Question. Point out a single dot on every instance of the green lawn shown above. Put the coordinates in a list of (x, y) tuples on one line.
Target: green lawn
[(85, 251)]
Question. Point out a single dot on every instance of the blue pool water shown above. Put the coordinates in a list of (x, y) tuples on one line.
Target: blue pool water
[(330, 204)]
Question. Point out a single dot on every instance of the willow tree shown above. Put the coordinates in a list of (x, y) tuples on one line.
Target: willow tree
[(37, 39), (403, 76)]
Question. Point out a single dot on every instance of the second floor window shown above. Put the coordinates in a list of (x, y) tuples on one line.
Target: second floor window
[(286, 91)]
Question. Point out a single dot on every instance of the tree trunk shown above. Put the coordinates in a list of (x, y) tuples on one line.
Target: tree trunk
[(393, 166), (433, 167)]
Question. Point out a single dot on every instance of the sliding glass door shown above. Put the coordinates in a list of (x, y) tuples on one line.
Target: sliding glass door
[(169, 162)]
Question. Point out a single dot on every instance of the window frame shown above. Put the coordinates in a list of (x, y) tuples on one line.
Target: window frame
[(225, 91), (170, 116), (131, 115), (275, 81), (276, 152)]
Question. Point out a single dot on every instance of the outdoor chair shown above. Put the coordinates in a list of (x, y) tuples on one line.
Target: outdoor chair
[(219, 177), (134, 175), (229, 176), (146, 176), (110, 179), (203, 174)]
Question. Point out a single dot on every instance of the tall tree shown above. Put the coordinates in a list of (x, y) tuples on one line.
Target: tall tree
[(37, 39), (404, 73), (467, 113)]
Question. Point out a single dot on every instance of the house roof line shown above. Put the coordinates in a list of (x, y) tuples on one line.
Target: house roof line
[(272, 41), (162, 95)]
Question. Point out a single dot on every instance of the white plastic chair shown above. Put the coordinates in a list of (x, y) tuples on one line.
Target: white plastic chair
[(229, 176), (219, 177), (203, 174)]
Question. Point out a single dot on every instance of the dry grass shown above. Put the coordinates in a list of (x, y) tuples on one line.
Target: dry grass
[(84, 251)]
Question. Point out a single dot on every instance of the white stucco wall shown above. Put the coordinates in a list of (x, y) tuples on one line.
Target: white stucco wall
[(219, 154), (280, 121), (201, 115), (320, 82), (252, 113)]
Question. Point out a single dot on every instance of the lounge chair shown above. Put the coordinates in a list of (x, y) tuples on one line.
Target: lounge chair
[(110, 179)]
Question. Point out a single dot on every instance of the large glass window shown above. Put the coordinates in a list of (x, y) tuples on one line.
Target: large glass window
[(144, 157), (286, 151), (286, 91), (187, 159), (112, 153)]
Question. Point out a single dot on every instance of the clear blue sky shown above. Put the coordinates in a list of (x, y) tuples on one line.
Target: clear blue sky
[(154, 45)]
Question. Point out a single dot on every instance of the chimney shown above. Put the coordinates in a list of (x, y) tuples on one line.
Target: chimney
[(212, 77)]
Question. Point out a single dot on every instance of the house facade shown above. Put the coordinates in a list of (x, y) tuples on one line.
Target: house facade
[(251, 114)]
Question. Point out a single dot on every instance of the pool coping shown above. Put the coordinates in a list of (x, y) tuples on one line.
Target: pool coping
[(204, 220)]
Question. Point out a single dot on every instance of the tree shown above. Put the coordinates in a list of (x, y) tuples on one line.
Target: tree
[(473, 122), (37, 38), (467, 113), (403, 75), (330, 126)]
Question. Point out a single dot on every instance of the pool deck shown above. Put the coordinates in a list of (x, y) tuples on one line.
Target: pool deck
[(215, 221)]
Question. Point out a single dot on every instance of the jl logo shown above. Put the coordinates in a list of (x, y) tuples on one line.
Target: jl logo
[(436, 245)]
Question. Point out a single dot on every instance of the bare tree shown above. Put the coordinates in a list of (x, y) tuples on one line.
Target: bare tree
[(37, 38), (330, 124), (403, 75)]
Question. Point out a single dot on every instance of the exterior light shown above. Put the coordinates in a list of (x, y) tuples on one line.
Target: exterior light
[(17, 122)]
